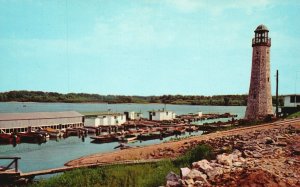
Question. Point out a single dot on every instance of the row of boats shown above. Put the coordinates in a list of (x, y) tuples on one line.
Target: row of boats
[(142, 135), (42, 135), (39, 135)]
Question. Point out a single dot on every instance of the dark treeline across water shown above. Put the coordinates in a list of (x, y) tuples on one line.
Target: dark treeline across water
[(39, 96)]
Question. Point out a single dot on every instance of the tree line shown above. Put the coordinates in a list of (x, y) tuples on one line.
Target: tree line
[(39, 96)]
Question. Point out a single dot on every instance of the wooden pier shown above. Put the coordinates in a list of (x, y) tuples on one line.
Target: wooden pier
[(7, 173)]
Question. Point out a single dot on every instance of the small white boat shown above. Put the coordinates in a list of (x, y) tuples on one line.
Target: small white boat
[(128, 138)]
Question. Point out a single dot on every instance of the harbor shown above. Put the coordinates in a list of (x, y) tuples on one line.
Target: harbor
[(147, 154), (44, 156), (38, 127)]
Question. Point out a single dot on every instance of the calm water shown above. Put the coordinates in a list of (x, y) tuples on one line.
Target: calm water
[(55, 153)]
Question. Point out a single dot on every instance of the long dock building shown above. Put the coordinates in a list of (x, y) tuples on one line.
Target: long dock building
[(20, 122)]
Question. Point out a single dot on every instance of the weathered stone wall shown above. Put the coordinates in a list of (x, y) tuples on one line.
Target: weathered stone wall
[(260, 99)]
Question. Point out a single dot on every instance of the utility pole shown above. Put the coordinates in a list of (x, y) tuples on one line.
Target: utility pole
[(277, 115)]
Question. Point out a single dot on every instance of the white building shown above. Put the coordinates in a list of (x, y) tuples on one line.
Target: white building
[(160, 115), (292, 100), (133, 115), (106, 119), (291, 104), (19, 122), (138, 115)]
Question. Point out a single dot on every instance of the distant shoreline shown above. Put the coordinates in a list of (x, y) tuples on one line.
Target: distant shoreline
[(114, 103), (24, 96)]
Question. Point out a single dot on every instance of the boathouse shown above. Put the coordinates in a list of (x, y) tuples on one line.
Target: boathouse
[(133, 115), (110, 119), (159, 115), (20, 122)]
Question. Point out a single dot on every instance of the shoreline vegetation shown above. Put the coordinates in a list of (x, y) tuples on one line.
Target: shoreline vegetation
[(146, 175), (54, 97)]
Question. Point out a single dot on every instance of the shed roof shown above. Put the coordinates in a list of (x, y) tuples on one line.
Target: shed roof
[(38, 115), (110, 114), (161, 111), (291, 95)]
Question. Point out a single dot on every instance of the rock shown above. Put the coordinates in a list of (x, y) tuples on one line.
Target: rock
[(257, 155), (226, 148), (213, 173), (201, 183), (296, 150), (173, 184), (280, 138), (248, 153), (241, 159), (196, 175), (237, 153), (172, 177), (291, 162), (184, 172), (234, 157), (202, 165), (269, 140), (278, 151), (281, 144), (237, 164), (224, 159), (188, 182)]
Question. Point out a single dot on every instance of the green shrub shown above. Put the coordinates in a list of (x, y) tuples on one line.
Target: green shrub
[(198, 153)]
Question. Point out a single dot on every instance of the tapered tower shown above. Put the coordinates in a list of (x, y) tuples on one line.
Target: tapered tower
[(259, 103)]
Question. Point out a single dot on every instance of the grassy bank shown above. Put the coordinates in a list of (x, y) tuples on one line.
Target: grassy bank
[(152, 174), (295, 115)]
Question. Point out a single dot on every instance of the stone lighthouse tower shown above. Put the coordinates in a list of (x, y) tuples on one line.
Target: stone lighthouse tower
[(259, 103)]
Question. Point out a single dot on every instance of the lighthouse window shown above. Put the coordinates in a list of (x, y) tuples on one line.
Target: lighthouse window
[(268, 79), (254, 96)]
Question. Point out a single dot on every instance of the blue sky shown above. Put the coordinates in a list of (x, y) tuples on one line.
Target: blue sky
[(144, 47)]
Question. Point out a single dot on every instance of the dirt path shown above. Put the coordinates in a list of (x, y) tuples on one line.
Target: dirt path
[(171, 149)]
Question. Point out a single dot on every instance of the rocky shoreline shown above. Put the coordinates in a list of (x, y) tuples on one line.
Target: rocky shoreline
[(264, 157), (174, 149)]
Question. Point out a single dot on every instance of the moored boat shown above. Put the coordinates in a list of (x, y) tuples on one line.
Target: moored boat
[(167, 133), (32, 137), (191, 129), (150, 136), (179, 131), (104, 138), (53, 133), (91, 130), (9, 138), (76, 132), (128, 138)]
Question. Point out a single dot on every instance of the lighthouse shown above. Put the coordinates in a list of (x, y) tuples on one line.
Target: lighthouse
[(259, 103)]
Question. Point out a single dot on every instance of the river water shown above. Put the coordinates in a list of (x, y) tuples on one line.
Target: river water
[(55, 153)]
